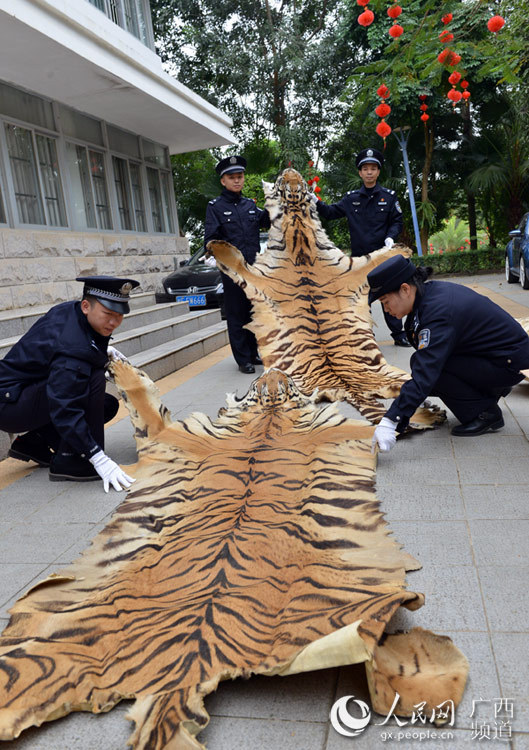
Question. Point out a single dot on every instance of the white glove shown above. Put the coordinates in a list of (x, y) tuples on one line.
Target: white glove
[(388, 242), (115, 354), (313, 197), (110, 472), (385, 435)]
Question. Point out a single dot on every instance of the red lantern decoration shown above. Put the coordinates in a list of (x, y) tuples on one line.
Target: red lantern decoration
[(366, 18), (466, 95), (317, 189), (316, 178), (454, 60), (383, 92), (423, 97), (465, 84), (446, 19), (394, 11), (396, 30), (425, 117), (495, 23), (383, 110), (454, 78), (423, 107), (445, 36), (454, 96), (362, 2), (383, 129)]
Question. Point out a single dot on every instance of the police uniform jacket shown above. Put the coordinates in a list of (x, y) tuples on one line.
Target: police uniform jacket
[(237, 220), (62, 349), (372, 215), (447, 320)]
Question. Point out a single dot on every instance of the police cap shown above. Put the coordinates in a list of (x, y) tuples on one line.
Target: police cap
[(388, 276), (113, 293), (369, 155), (231, 164)]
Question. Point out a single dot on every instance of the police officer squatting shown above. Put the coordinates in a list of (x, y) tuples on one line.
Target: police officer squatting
[(468, 350), (236, 220), (374, 218), (52, 385)]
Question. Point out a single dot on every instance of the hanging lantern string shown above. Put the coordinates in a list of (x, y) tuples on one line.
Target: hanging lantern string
[(367, 17), (394, 12), (383, 110)]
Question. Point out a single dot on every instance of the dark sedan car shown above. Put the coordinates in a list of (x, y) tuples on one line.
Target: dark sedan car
[(517, 254), (196, 282)]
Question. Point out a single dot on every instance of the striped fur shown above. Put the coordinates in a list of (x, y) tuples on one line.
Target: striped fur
[(244, 544), (310, 311)]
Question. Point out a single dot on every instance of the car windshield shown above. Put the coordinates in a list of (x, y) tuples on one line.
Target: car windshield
[(198, 257)]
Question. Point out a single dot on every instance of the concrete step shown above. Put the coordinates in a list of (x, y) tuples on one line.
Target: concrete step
[(166, 358), (14, 323), (154, 334)]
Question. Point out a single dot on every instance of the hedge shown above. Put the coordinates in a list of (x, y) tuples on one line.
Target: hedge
[(464, 262)]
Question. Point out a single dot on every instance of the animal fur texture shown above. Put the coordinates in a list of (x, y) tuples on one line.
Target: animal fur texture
[(310, 312), (251, 544)]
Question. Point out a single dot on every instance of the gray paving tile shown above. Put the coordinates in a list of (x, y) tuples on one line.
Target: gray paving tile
[(303, 697), (491, 470), (396, 468), (500, 542), (31, 544), (78, 731), (227, 733), (435, 542), (495, 502), (506, 596), (374, 737), (520, 741), (493, 444), (431, 503), (524, 425), (453, 600), (510, 652), (13, 578)]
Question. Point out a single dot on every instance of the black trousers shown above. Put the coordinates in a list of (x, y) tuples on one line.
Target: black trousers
[(471, 385), (31, 413), (237, 308), (394, 325)]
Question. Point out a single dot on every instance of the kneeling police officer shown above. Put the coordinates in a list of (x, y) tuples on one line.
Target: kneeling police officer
[(469, 351), (52, 385)]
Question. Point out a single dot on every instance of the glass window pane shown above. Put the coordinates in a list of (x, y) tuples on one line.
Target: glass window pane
[(81, 126), (24, 171), (81, 190), (27, 107), (121, 181), (51, 181), (98, 3), (120, 140), (97, 170), (166, 197), (155, 198), (155, 153), (137, 197), (2, 210)]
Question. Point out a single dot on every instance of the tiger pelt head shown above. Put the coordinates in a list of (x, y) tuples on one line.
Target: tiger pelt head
[(289, 192)]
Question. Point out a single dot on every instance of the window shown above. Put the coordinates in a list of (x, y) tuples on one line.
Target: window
[(137, 196), (166, 180), (155, 153), (80, 126), (89, 190), (159, 187), (20, 105), (131, 15), (123, 192), (38, 190)]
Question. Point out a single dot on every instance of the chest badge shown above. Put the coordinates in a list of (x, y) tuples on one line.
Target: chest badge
[(424, 338), (228, 213)]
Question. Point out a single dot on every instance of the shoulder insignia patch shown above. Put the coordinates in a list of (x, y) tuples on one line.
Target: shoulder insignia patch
[(424, 338), (214, 200), (397, 206)]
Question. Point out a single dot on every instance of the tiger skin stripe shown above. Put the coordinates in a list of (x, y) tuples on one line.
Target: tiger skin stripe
[(244, 543), (310, 313)]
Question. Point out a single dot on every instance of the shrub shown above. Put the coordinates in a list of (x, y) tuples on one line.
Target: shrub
[(464, 262)]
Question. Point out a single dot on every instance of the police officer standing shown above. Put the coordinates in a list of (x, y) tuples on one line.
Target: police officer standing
[(52, 385), (469, 351), (374, 217), (236, 220)]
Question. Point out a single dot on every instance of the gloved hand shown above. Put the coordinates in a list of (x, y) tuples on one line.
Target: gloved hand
[(385, 435), (313, 197), (115, 354), (389, 242), (110, 472)]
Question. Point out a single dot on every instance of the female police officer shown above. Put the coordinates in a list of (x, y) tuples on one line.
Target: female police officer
[(469, 351)]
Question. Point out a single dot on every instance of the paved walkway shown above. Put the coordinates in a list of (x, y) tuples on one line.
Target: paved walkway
[(457, 505)]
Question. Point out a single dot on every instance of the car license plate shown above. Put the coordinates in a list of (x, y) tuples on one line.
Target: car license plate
[(195, 300)]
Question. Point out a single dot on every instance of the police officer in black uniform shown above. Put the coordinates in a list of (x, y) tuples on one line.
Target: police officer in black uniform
[(469, 351), (236, 220), (374, 217), (52, 385)]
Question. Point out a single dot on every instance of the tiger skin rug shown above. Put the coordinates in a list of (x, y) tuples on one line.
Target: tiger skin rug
[(310, 312), (249, 544)]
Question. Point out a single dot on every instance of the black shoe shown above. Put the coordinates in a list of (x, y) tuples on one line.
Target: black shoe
[(72, 469), (257, 361), (31, 447), (487, 421), (402, 341), (248, 368)]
